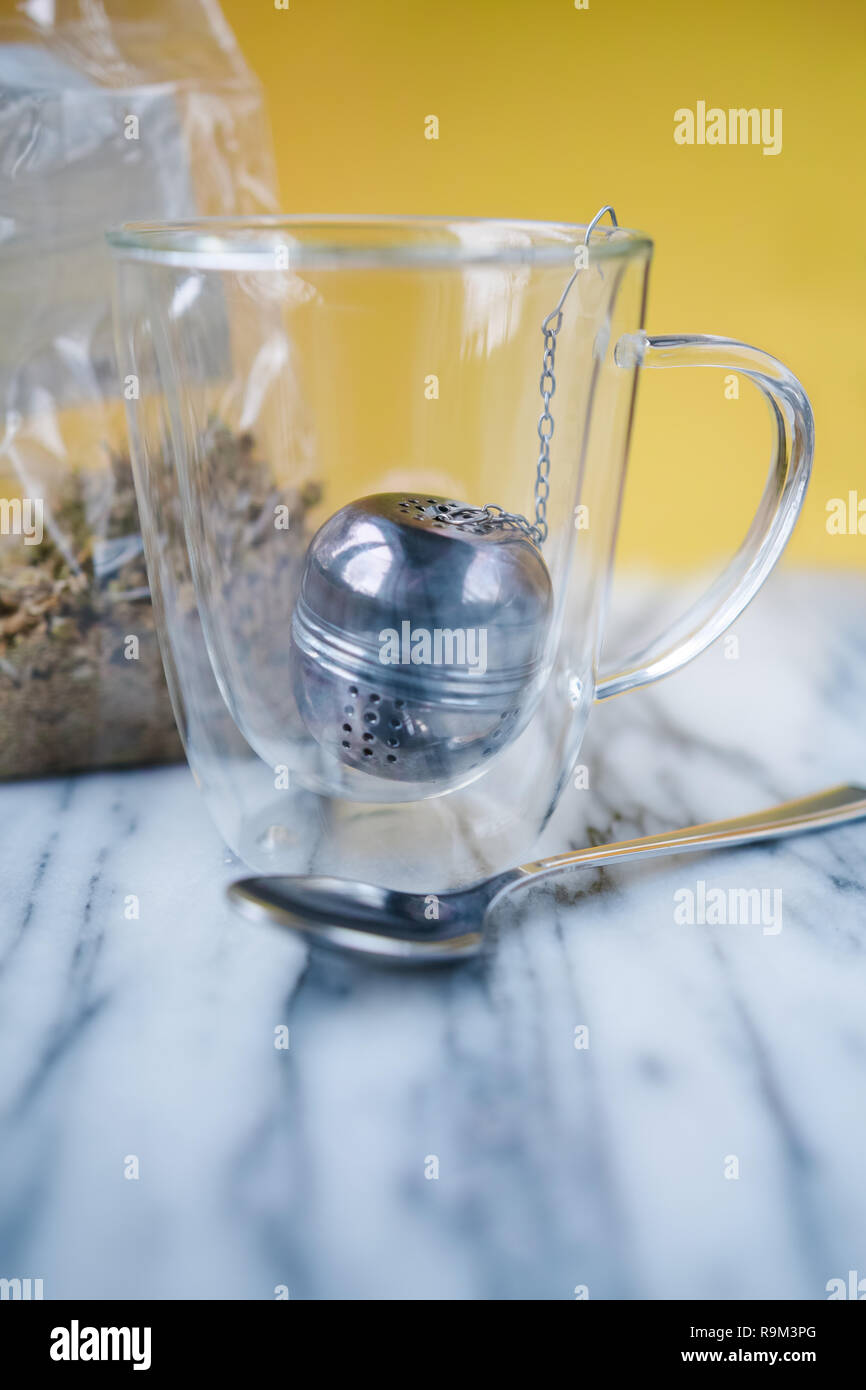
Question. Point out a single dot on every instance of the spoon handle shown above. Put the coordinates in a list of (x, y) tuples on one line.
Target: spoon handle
[(831, 807)]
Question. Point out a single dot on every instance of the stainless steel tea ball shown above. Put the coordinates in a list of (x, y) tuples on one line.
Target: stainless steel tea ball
[(419, 636)]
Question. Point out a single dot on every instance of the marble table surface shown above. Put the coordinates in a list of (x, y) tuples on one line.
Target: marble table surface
[(709, 1141)]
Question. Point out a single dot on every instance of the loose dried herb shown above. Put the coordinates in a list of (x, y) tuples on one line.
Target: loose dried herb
[(69, 696)]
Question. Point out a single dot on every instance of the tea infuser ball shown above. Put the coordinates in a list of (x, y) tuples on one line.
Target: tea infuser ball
[(419, 636)]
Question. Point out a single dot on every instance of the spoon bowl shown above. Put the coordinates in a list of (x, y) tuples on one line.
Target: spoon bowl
[(362, 917)]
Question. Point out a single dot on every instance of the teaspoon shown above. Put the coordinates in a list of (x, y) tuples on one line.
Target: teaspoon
[(422, 928)]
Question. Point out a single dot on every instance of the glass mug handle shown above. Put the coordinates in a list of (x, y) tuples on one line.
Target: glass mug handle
[(777, 511)]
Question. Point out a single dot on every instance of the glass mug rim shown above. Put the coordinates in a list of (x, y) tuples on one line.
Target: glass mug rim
[(333, 240)]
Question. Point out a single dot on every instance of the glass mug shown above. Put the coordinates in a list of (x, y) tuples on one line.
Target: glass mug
[(320, 410)]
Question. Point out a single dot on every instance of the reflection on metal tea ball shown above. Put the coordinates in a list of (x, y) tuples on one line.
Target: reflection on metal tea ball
[(418, 639)]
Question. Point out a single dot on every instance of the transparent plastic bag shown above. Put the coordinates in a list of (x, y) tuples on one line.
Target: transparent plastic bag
[(109, 111)]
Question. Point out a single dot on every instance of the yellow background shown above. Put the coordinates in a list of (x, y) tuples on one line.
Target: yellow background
[(546, 111)]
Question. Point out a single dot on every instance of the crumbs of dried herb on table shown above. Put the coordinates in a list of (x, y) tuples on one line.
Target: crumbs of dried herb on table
[(68, 698)]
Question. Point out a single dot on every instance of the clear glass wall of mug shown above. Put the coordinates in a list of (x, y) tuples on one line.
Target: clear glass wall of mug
[(275, 372)]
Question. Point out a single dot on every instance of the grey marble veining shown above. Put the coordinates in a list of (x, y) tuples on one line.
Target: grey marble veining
[(559, 1166)]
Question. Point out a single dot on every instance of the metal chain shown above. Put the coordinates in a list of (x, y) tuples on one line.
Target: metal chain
[(547, 386), (496, 516), (490, 515)]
